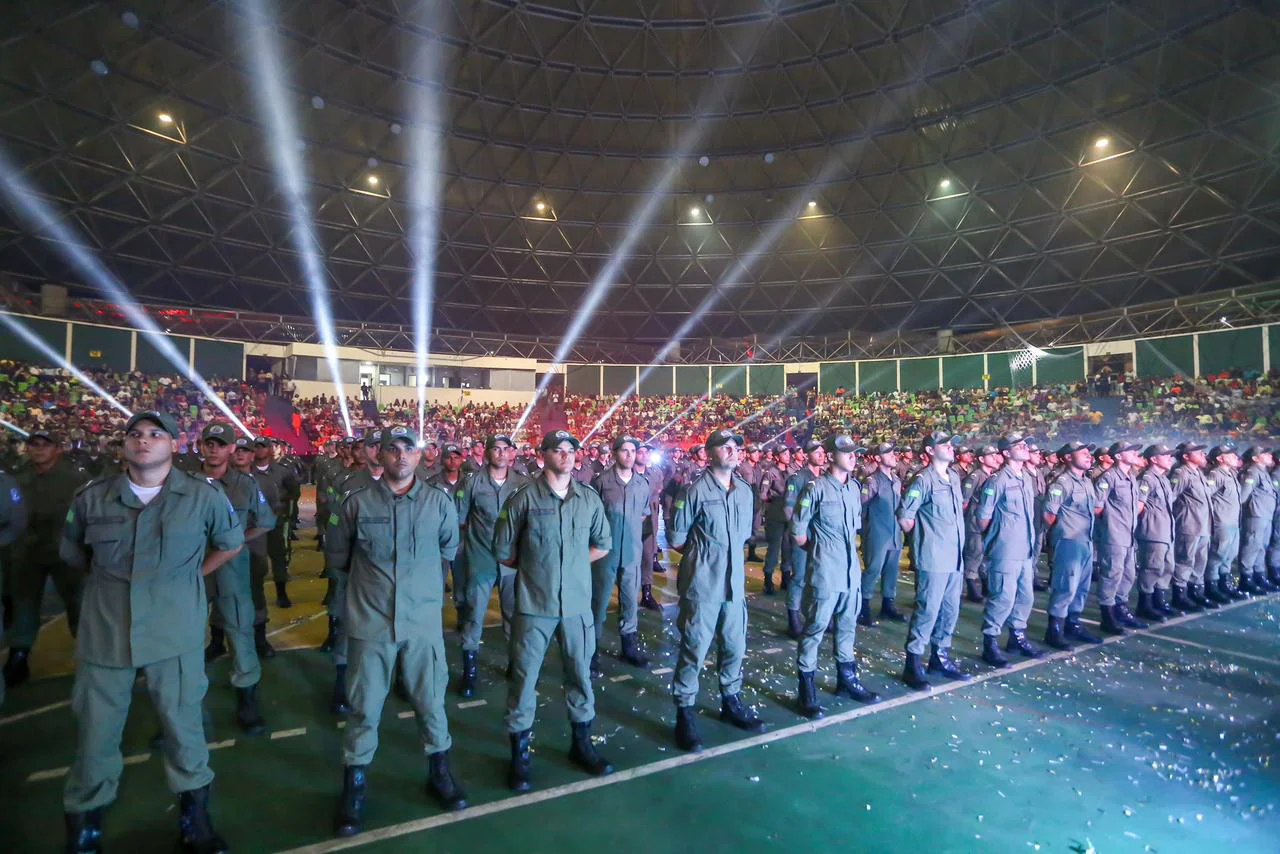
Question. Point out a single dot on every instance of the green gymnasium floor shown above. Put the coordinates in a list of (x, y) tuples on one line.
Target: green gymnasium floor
[(1161, 741)]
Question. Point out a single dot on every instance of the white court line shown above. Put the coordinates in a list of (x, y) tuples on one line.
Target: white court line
[(219, 745), (301, 621), (404, 715), (623, 678), (471, 704), (661, 671), (1214, 649), (288, 733), (51, 774), (418, 825), (22, 716)]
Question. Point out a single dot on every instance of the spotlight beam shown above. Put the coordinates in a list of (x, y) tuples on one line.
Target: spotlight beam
[(283, 139), (14, 427), (36, 343)]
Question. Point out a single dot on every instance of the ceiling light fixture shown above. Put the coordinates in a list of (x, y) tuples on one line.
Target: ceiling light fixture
[(165, 119), (1102, 142)]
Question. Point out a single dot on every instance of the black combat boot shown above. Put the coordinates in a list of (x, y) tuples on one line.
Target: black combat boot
[(18, 668), (470, 673), (795, 627), (847, 683), (1110, 623), (865, 617), (972, 591), (991, 651), (518, 775), (247, 714), (282, 596), (1162, 601), (1148, 609), (1017, 642), (1053, 636), (687, 737), (596, 672), (890, 612), (646, 598), (1126, 618), (264, 649), (441, 784), (1215, 592), (735, 712), (631, 653), (913, 672), (583, 753), (332, 637), (785, 582), (768, 584), (1074, 630), (940, 662), (348, 821), (217, 645), (338, 704), (84, 832), (1198, 594), (195, 826), (808, 700), (1233, 594)]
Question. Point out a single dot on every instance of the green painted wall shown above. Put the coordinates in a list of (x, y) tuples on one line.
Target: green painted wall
[(1229, 350), (962, 371), (51, 332), (1165, 357), (582, 379), (101, 348), (151, 361), (619, 379), (729, 380), (768, 379), (691, 379), (919, 374), (657, 382), (1062, 365), (878, 376), (219, 358), (834, 375)]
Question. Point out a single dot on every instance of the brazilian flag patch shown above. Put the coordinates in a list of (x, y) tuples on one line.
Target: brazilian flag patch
[(333, 518)]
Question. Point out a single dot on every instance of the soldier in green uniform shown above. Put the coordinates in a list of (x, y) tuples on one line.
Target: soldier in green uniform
[(1224, 514), (13, 521), (389, 538), (815, 460), (549, 532), (1155, 537), (259, 563), (826, 523), (931, 512), (146, 538), (326, 468), (280, 485), (649, 542), (1191, 526), (881, 536), (1257, 507), (450, 479), (229, 588), (1069, 512), (625, 494), (710, 526), (479, 500), (48, 484), (772, 495), (975, 581), (1119, 503)]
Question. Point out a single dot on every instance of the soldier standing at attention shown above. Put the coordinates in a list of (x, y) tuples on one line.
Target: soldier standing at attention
[(932, 512), (1005, 514), (649, 543), (1119, 504), (750, 471), (709, 528), (881, 536), (13, 521), (48, 485), (772, 493), (1155, 538), (1224, 513), (625, 494), (1191, 525), (229, 587), (1257, 507), (279, 484), (325, 469), (449, 479), (1069, 512), (549, 532), (815, 460), (826, 523), (975, 577), (479, 500), (389, 538), (146, 538)]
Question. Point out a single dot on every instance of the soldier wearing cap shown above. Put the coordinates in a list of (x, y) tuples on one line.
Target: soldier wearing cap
[(549, 532), (881, 536), (1005, 512), (1191, 527), (13, 521), (48, 484), (475, 459), (1273, 546), (1070, 508), (826, 523), (710, 526), (932, 512), (625, 494), (965, 461), (1035, 471), (1119, 504), (583, 467), (280, 484), (146, 538), (389, 539), (1224, 516), (793, 582), (450, 479), (1257, 509), (430, 466), (975, 578), (229, 589), (326, 468), (649, 538), (1155, 539), (772, 496), (480, 499)]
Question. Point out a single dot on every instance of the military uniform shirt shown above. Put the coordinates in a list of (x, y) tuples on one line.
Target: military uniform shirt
[(881, 496), (13, 511), (1008, 500), (773, 488), (479, 500), (1155, 523), (1118, 497), (144, 597), (712, 524), (626, 505), (47, 496), (1224, 497), (1190, 501), (934, 501), (391, 547), (1072, 498), (550, 539), (252, 511), (829, 513), (1257, 493), (279, 484)]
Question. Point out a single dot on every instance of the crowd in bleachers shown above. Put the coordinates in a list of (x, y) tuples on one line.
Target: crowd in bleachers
[(1236, 404)]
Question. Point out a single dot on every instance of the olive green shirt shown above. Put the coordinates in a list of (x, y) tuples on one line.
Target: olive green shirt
[(144, 597), (626, 505), (713, 524), (13, 511), (392, 548), (829, 514), (479, 500), (550, 539), (936, 503), (48, 496), (252, 511), (279, 484)]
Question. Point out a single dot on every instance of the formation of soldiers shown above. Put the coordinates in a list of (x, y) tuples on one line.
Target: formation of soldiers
[(148, 551)]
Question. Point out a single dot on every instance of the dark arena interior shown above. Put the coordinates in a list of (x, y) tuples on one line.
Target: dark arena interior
[(672, 425)]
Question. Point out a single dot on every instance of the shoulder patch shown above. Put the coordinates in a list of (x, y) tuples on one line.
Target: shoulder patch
[(1102, 484), (805, 502), (333, 519), (1055, 491), (986, 490), (680, 504), (913, 493)]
